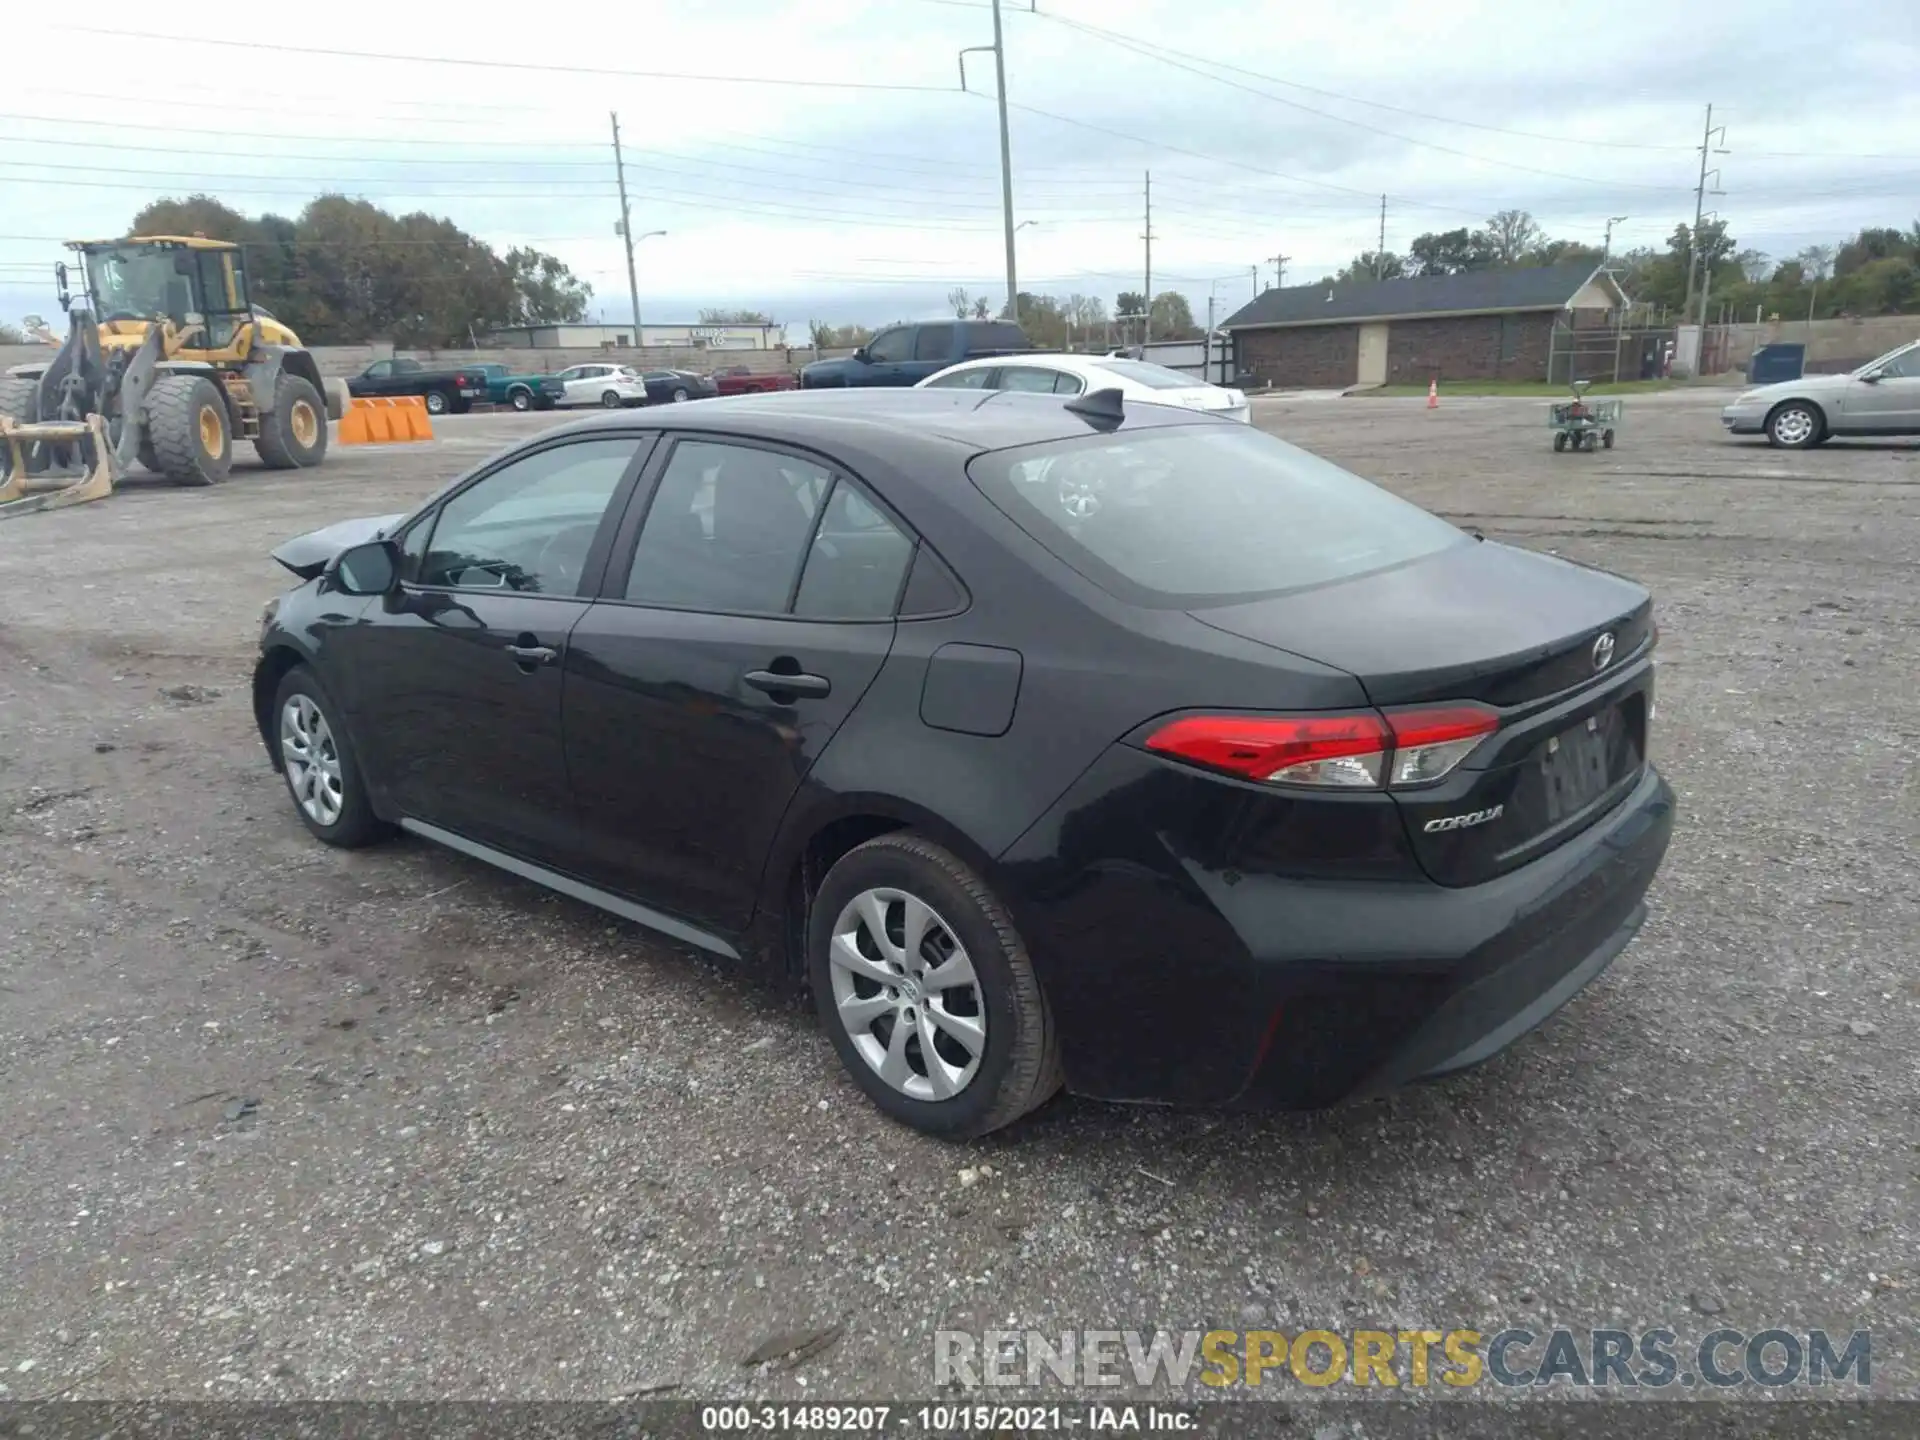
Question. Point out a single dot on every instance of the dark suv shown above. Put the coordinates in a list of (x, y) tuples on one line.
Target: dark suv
[(904, 355)]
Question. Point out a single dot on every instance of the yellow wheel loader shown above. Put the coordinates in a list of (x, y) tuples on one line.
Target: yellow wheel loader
[(170, 354)]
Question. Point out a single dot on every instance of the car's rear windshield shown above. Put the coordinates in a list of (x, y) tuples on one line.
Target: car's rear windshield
[(1198, 515), (1154, 377)]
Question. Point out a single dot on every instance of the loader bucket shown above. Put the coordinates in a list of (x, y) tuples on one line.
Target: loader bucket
[(24, 495)]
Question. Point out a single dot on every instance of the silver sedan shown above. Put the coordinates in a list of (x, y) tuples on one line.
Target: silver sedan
[(1880, 398)]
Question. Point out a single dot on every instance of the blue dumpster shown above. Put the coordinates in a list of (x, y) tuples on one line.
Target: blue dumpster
[(1774, 363)]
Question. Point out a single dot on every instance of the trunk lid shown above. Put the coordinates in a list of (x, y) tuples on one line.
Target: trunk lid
[(1561, 651)]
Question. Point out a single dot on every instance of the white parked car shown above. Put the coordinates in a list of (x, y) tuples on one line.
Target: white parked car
[(610, 385), (1140, 381)]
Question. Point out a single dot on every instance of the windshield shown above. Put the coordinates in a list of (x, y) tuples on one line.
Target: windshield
[(138, 280), (1154, 377), (1889, 357), (1204, 515)]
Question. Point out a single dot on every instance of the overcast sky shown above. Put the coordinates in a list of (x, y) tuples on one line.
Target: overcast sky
[(1268, 128)]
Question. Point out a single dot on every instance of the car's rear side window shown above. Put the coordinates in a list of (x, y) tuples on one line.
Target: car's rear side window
[(995, 335), (1203, 514)]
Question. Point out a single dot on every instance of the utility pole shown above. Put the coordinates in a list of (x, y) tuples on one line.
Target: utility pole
[(1606, 246), (1146, 330), (1700, 205), (1279, 263), (626, 227), (999, 50), (1256, 281), (1380, 250)]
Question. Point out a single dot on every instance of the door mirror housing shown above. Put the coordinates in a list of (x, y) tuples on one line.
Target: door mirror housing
[(1872, 377), (369, 569), (863, 355)]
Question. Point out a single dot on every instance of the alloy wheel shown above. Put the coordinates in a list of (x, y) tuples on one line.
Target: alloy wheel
[(312, 760), (906, 991), (1793, 426)]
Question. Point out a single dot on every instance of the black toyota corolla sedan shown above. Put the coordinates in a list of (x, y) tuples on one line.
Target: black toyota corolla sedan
[(1047, 742)]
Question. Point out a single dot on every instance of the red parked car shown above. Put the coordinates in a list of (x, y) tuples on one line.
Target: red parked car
[(739, 380)]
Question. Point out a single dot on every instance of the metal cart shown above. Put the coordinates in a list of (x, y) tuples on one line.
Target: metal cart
[(1583, 424)]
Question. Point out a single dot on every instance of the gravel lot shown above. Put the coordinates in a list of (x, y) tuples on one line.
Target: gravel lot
[(281, 1122)]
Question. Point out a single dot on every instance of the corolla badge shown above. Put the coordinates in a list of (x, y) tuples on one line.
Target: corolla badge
[(1463, 822), (1603, 651)]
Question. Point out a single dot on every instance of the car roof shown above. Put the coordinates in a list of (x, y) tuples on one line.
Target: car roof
[(968, 420), (1085, 366)]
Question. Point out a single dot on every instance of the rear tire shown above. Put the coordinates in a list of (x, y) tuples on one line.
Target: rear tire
[(520, 398), (1011, 1068), (436, 402), (679, 395), (1606, 438), (188, 430), (610, 400), (1559, 442), (319, 765), (294, 436)]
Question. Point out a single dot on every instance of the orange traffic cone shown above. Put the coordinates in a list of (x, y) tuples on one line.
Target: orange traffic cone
[(1433, 393)]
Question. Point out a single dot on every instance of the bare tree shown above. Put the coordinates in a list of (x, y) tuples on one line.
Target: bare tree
[(961, 302), (1816, 261), (1510, 234), (1755, 265), (982, 308)]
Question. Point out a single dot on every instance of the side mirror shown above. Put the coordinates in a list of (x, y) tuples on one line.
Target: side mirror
[(863, 356), (1872, 377), (60, 279), (369, 569)]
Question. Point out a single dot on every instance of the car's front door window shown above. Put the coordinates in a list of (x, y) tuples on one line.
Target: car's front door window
[(891, 346), (727, 529), (1904, 366), (380, 370), (528, 526)]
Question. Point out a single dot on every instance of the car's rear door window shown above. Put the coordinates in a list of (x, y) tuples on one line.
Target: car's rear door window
[(528, 526), (727, 529), (857, 563), (934, 342), (1029, 378), (975, 379), (1203, 514)]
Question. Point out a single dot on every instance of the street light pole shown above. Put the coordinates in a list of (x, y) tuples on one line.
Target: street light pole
[(999, 50)]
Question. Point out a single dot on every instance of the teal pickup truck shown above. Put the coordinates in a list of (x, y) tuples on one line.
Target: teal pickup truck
[(520, 392)]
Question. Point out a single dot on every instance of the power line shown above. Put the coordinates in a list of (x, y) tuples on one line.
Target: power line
[(309, 50)]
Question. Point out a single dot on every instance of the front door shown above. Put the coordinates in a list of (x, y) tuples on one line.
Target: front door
[(1373, 355), (754, 611), (889, 359), (460, 719), (1890, 402)]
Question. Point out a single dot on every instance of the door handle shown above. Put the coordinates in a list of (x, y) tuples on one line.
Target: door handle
[(525, 654), (774, 683)]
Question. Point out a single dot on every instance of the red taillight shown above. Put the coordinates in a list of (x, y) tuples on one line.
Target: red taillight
[(1362, 751)]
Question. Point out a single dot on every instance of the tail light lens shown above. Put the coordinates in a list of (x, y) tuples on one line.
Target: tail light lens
[(1367, 750)]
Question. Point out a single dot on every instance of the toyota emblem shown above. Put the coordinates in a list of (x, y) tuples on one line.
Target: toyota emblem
[(1603, 651)]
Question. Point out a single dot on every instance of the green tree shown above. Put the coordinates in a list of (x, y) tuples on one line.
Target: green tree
[(1129, 302), (10, 336), (546, 292), (1564, 252), (1368, 267), (1173, 317), (1449, 252), (735, 317)]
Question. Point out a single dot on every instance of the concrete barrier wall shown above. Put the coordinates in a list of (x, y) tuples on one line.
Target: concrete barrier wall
[(345, 360), (1832, 345)]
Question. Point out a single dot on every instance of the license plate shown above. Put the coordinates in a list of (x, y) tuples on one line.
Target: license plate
[(1575, 765)]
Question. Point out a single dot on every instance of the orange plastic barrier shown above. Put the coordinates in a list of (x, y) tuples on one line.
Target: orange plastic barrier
[(384, 420)]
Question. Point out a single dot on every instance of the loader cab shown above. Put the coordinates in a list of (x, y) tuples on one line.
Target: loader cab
[(187, 281)]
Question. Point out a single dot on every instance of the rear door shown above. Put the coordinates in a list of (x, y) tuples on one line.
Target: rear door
[(748, 606), (934, 348), (460, 670)]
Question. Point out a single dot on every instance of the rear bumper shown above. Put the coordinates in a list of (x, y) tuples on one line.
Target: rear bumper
[(1178, 972)]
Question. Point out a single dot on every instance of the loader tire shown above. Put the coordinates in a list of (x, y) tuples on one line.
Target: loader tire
[(20, 401), (294, 436), (188, 429)]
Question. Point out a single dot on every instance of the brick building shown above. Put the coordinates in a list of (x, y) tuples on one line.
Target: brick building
[(1484, 325)]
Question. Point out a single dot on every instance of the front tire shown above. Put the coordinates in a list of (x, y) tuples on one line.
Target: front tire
[(20, 403), (319, 766), (188, 430), (926, 990), (1795, 425), (294, 436)]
